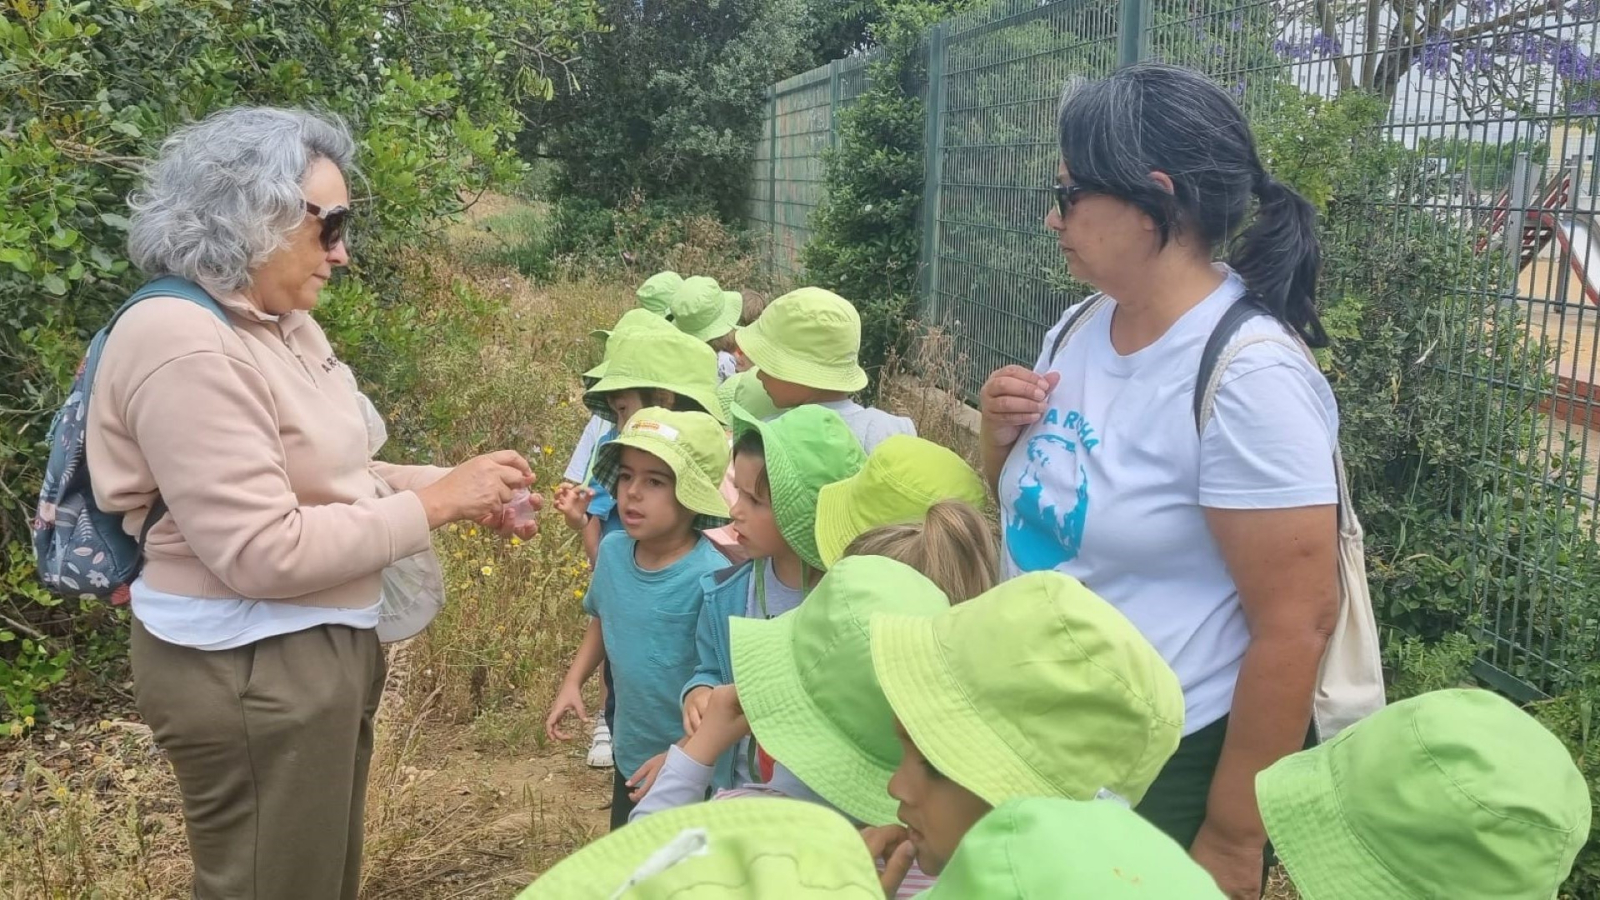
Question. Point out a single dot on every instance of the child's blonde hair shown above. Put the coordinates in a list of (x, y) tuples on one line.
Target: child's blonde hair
[(953, 546), (754, 303)]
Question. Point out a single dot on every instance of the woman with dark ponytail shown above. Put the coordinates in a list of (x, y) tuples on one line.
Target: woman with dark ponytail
[(1217, 541)]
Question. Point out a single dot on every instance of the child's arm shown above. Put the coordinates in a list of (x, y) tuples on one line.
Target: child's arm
[(707, 671), (591, 537), (591, 653), (680, 782)]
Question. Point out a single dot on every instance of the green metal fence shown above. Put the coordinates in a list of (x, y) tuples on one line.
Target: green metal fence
[(1501, 98)]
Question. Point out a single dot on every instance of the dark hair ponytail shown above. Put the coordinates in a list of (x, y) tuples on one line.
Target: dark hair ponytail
[(1279, 258), (1158, 118)]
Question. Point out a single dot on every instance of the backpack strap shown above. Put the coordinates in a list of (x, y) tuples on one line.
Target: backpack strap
[(166, 286), (1221, 350), (1075, 323)]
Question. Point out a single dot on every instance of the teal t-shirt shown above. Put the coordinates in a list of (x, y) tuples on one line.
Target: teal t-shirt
[(647, 619)]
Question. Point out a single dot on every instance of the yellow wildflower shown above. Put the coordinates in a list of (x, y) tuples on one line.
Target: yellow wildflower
[(28, 721), (548, 450), (454, 527), (578, 594), (487, 570), (516, 541)]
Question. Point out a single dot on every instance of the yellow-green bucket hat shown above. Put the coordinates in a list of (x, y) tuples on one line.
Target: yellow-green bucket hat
[(1036, 688), (810, 337), (703, 310), (668, 360), (692, 444), (657, 292), (903, 478), (745, 389), (1038, 848), (634, 320), (751, 848), (807, 448), (1453, 794), (806, 683)]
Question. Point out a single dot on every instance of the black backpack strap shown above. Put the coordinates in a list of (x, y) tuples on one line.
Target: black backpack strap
[(1075, 323), (1243, 310)]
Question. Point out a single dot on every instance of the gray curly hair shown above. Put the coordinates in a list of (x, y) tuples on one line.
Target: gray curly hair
[(224, 192)]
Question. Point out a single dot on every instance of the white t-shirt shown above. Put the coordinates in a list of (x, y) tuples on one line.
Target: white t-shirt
[(727, 366), (870, 425), (1110, 486), (579, 466)]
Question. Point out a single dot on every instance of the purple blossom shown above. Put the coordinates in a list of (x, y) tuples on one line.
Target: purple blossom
[(1436, 54), (1477, 59), (1238, 24), (1238, 90), (1584, 9), (1325, 45), (1587, 106)]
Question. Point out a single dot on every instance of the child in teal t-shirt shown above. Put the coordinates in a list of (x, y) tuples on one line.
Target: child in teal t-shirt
[(663, 469)]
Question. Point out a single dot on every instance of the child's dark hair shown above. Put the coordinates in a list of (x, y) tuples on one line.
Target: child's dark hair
[(1158, 118), (751, 444), (663, 398)]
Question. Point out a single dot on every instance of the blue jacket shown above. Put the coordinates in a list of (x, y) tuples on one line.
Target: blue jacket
[(727, 593)]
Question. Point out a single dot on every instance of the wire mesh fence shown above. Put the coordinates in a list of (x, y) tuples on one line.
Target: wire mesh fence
[(1492, 107)]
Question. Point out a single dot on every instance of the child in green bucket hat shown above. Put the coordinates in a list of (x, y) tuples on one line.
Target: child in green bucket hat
[(657, 291), (1453, 794), (751, 849), (903, 478), (1038, 688), (778, 468), (807, 345), (804, 685), (1039, 848), (706, 312), (643, 599)]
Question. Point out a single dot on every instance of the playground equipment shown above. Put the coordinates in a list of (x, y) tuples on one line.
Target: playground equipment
[(1549, 217)]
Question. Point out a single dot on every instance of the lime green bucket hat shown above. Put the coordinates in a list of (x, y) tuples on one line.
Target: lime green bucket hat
[(745, 849), (703, 310), (806, 684), (667, 360), (657, 292), (1450, 794), (1035, 688), (1037, 848), (807, 448), (902, 479), (692, 444), (632, 321), (744, 388), (810, 337)]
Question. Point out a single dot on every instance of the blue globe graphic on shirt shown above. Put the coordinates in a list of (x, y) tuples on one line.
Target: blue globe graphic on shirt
[(1042, 536)]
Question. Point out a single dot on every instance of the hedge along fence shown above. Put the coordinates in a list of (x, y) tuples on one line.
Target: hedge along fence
[(87, 91), (1479, 506)]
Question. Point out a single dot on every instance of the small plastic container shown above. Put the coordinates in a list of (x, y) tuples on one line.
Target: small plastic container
[(523, 510)]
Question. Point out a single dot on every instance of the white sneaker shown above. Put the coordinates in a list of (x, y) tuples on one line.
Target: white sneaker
[(600, 747)]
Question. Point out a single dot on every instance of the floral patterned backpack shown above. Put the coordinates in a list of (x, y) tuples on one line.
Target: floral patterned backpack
[(82, 550)]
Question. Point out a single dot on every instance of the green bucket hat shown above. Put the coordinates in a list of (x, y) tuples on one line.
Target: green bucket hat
[(632, 321), (806, 684), (810, 337), (657, 291), (903, 477), (807, 448), (692, 444), (1036, 688), (1450, 794), (744, 389), (744, 849), (1037, 848), (703, 310), (653, 358)]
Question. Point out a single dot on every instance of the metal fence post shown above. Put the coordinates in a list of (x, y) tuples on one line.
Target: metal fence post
[(772, 179), (1133, 32), (833, 103), (933, 173)]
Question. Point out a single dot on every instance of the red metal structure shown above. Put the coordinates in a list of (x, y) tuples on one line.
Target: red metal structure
[(1541, 223)]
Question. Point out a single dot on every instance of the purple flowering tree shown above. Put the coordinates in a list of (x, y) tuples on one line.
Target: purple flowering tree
[(1497, 57)]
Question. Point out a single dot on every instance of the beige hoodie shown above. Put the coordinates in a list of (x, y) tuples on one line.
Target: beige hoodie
[(254, 437)]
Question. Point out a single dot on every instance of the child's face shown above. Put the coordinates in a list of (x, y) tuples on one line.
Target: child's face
[(936, 811), (646, 498), (785, 394), (753, 521), (624, 404)]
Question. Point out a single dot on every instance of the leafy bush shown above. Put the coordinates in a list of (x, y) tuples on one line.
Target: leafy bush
[(86, 92)]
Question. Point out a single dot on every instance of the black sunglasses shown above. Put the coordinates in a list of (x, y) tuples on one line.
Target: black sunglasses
[(1067, 195), (333, 221)]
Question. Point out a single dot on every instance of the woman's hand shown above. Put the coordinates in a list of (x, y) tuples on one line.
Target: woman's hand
[(476, 489), (1236, 865), (890, 848), (569, 699), (518, 518), (1012, 399)]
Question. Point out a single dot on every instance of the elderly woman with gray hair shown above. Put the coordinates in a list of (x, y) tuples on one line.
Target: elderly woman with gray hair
[(255, 657)]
